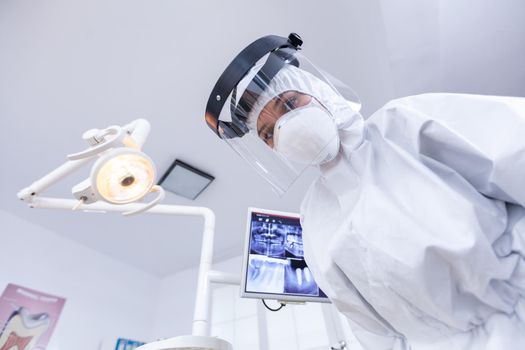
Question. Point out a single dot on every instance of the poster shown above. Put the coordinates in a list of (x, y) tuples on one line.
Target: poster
[(27, 318), (126, 344)]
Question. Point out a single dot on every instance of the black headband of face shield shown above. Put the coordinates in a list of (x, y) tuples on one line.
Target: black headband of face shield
[(281, 51), (275, 62)]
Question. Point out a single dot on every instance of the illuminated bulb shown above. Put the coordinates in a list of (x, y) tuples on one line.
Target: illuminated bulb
[(123, 175)]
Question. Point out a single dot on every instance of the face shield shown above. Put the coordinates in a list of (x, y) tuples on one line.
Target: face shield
[(278, 111)]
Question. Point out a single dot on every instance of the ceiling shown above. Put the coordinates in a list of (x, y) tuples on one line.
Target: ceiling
[(70, 65)]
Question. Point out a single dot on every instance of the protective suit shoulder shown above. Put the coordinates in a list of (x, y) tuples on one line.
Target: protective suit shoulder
[(479, 137)]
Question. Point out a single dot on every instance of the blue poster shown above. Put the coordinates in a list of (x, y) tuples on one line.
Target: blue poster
[(126, 344)]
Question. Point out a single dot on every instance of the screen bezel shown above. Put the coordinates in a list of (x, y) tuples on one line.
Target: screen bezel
[(279, 297)]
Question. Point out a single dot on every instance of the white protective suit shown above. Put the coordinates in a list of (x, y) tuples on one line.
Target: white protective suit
[(416, 231)]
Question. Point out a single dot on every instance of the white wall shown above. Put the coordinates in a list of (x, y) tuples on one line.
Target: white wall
[(468, 46), (176, 299), (243, 322), (236, 319), (105, 298)]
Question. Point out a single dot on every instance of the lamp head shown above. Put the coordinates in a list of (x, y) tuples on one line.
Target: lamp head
[(123, 175)]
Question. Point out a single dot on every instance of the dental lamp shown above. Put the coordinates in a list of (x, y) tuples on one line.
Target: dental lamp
[(121, 178)]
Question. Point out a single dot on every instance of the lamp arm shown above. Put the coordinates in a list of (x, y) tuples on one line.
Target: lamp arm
[(138, 130), (201, 315), (147, 206), (39, 186), (220, 277)]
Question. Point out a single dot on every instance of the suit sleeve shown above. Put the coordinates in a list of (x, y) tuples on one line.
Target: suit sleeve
[(482, 138)]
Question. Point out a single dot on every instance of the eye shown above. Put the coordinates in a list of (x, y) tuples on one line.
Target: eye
[(267, 136), (291, 102)]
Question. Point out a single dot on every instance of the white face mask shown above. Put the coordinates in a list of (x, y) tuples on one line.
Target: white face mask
[(307, 135)]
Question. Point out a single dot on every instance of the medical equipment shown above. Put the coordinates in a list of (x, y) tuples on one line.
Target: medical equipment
[(121, 177), (274, 266)]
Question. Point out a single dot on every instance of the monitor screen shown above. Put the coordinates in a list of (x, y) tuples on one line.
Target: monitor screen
[(275, 267)]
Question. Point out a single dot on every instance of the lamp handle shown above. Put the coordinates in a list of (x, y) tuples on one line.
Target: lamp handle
[(151, 204), (100, 140)]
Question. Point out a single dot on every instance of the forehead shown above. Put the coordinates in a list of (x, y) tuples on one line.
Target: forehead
[(273, 108), (278, 106)]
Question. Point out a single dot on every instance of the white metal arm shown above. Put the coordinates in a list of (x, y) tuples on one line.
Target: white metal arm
[(53, 177), (201, 314), (138, 130)]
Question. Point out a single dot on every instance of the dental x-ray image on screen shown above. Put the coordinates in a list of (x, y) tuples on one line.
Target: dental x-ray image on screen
[(275, 267)]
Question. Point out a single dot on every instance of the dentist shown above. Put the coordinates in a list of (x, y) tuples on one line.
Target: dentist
[(415, 227)]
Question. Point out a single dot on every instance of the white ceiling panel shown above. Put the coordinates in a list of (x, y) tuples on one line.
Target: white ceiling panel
[(70, 65)]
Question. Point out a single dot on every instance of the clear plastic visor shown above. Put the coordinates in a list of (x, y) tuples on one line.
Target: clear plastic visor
[(289, 111)]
